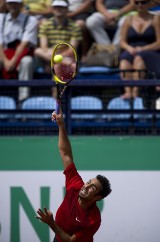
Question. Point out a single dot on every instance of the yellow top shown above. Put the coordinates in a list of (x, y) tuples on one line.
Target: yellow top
[(37, 5)]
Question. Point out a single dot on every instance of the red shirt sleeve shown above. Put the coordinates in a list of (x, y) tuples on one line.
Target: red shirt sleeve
[(73, 179)]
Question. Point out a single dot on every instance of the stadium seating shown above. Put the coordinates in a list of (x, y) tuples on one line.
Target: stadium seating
[(39, 103), (125, 104), (7, 103), (86, 103)]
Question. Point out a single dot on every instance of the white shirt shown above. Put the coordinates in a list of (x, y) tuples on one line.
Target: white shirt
[(13, 29), (74, 4)]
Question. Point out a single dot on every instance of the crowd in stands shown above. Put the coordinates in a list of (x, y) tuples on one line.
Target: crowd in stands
[(29, 29)]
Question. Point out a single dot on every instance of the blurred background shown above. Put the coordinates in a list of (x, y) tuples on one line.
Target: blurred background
[(111, 112)]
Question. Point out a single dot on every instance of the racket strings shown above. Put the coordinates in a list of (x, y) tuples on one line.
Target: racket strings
[(66, 69)]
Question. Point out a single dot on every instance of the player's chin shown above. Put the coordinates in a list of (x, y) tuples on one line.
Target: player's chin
[(82, 194)]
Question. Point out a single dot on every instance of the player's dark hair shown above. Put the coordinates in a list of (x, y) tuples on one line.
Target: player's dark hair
[(106, 186)]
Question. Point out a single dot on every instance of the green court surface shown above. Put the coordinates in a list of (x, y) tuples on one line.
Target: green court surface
[(93, 153)]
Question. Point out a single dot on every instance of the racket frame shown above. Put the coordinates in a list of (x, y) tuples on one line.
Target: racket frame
[(57, 80)]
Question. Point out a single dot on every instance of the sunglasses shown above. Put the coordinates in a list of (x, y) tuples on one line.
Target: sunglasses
[(141, 2)]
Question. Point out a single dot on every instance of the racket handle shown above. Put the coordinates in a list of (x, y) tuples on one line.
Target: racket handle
[(57, 107)]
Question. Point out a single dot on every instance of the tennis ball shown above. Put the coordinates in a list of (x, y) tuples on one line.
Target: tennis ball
[(58, 58)]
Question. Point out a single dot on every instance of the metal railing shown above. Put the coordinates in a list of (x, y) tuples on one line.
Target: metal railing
[(105, 89)]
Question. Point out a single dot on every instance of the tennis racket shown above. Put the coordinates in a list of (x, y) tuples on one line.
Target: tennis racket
[(64, 65)]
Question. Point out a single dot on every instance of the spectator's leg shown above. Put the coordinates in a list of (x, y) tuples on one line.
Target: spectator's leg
[(97, 27), (139, 65), (25, 73), (126, 75), (43, 54), (117, 35), (86, 41)]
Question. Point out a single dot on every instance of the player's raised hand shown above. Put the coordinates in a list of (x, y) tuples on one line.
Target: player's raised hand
[(45, 216), (58, 117)]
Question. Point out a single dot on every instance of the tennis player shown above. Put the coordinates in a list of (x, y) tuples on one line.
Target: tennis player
[(78, 217)]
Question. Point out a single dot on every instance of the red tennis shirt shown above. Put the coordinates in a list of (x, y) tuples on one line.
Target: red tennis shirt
[(70, 216)]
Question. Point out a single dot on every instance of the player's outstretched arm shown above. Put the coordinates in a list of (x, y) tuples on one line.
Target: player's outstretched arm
[(63, 142), (47, 217)]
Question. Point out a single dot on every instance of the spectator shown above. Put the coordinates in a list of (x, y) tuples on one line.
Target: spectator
[(110, 15), (41, 9), (140, 41), (79, 10), (57, 29), (18, 33), (2, 6)]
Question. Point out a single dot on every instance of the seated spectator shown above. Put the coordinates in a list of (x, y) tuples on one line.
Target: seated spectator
[(110, 15), (18, 35), (57, 29), (41, 9), (79, 10), (140, 41), (3, 6)]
